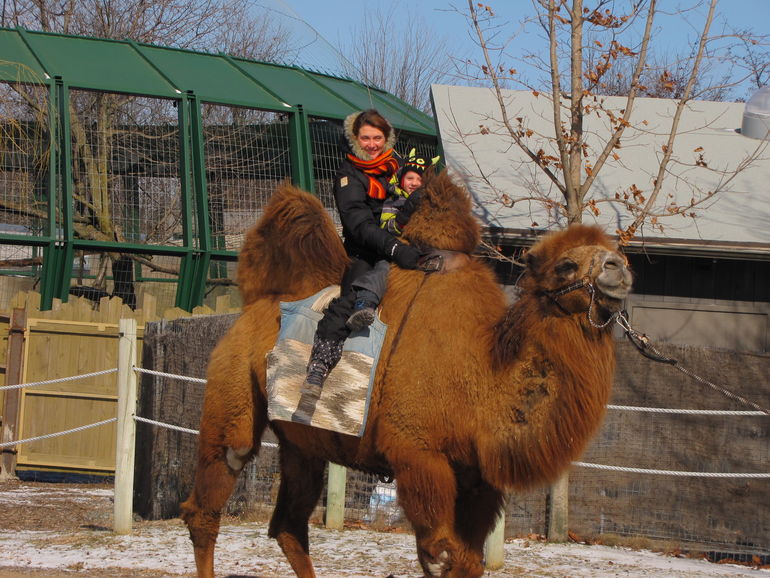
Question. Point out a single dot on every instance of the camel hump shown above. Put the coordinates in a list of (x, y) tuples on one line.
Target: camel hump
[(293, 248)]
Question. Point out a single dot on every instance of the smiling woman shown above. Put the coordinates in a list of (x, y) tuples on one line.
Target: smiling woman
[(362, 184)]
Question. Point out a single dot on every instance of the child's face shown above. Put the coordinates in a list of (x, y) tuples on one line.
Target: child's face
[(411, 181)]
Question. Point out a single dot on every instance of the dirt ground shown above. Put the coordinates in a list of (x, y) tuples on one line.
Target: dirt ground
[(61, 530)]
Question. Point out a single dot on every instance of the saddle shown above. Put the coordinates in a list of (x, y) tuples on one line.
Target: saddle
[(344, 402)]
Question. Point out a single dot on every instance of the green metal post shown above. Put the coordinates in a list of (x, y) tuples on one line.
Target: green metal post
[(48, 270), (66, 209), (58, 255), (186, 265), (301, 151), (203, 255)]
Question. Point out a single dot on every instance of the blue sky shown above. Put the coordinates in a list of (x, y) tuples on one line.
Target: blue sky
[(335, 19)]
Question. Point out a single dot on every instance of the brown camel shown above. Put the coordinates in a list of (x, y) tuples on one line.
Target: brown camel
[(471, 398)]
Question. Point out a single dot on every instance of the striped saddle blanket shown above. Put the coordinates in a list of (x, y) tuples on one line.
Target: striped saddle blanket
[(346, 393)]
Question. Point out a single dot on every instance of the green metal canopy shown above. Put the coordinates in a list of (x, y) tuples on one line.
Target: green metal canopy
[(129, 67)]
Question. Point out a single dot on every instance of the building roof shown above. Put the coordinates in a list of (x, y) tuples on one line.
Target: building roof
[(129, 67), (477, 147)]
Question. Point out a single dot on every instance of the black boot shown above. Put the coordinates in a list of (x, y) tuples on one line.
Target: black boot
[(363, 315), (364, 309), (325, 354)]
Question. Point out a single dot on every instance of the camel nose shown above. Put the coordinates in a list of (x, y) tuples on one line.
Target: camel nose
[(613, 262), (615, 272)]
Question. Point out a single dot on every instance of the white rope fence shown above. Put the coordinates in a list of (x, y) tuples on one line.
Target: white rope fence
[(712, 412), (59, 379), (57, 434), (166, 425), (686, 411), (169, 375), (670, 472)]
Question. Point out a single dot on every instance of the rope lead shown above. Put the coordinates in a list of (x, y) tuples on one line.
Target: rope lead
[(643, 345)]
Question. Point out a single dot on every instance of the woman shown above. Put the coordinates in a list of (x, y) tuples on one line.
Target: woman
[(361, 186)]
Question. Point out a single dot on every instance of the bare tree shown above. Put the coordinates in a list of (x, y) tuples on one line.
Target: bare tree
[(584, 44), (396, 50), (751, 54), (229, 26)]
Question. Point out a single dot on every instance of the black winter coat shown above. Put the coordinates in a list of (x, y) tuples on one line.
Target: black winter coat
[(360, 214)]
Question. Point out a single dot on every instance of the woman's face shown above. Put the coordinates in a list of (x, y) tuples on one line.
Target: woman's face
[(371, 140)]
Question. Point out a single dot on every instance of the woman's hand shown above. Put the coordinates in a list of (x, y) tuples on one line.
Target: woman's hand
[(405, 256)]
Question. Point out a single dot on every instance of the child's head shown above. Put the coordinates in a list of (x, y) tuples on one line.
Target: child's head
[(410, 177), (411, 180)]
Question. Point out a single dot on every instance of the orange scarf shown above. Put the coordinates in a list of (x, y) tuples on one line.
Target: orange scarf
[(384, 165)]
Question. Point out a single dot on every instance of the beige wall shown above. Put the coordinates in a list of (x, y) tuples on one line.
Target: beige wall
[(719, 324)]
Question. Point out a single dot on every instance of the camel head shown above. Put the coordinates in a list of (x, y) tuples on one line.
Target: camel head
[(579, 269), (443, 219)]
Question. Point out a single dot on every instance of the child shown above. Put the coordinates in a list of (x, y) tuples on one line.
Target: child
[(370, 287)]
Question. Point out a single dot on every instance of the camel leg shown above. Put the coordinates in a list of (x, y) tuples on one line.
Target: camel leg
[(476, 512), (221, 457), (301, 485), (427, 492), (214, 482)]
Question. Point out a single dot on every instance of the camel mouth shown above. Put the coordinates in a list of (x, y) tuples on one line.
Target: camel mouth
[(615, 293), (615, 280)]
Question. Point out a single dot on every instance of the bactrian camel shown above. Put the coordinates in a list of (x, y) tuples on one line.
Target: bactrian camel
[(472, 398)]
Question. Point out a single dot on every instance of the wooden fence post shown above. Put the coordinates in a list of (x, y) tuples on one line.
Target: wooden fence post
[(494, 547), (335, 497), (126, 433), (558, 511), (14, 369)]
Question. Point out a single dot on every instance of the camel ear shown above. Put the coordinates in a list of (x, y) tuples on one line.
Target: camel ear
[(531, 260)]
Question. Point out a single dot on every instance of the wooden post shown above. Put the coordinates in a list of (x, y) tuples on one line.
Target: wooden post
[(335, 497), (126, 433), (558, 511), (12, 399), (494, 547)]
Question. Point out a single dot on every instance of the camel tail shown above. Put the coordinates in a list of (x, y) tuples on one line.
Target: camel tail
[(294, 248)]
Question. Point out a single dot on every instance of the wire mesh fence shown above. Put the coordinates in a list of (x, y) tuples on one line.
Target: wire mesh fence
[(24, 183), (125, 168), (221, 283), (24, 153), (247, 154), (325, 139)]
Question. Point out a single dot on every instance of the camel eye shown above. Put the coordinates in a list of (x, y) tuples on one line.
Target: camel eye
[(566, 268)]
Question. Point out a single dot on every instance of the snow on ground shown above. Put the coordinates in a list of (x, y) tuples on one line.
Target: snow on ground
[(245, 549)]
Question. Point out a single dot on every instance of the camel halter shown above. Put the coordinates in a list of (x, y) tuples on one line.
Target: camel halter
[(584, 283)]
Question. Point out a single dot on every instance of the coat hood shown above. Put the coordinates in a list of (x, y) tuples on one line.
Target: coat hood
[(352, 143)]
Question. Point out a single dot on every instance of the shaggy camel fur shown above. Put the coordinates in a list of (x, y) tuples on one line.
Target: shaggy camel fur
[(471, 398)]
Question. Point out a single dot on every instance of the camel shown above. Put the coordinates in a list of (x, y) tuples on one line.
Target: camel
[(472, 398)]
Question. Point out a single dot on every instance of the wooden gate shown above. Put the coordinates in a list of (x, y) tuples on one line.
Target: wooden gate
[(55, 349), (72, 340)]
